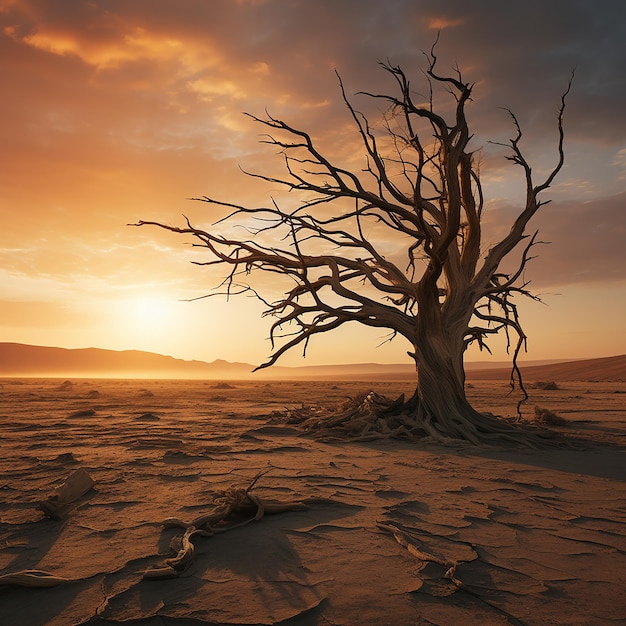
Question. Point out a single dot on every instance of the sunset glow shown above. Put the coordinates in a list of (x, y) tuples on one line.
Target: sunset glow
[(147, 314), (113, 112)]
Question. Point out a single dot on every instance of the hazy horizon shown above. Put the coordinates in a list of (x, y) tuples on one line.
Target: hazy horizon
[(28, 361), (484, 358)]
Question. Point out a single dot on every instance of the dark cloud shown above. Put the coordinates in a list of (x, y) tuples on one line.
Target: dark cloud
[(586, 242), (521, 54), (582, 242)]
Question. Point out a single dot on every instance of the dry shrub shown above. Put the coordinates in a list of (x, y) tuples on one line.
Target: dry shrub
[(546, 386), (548, 417), (357, 401), (222, 386)]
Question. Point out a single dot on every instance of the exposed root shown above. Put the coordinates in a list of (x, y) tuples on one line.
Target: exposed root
[(184, 554), (370, 416), (414, 545), (365, 417), (445, 581)]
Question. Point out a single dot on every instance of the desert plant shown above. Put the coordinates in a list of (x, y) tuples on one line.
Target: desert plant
[(546, 386), (547, 417)]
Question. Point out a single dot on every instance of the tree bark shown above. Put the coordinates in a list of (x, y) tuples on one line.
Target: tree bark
[(440, 402)]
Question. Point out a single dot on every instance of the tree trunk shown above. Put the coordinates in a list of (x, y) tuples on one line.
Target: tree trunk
[(438, 408), (440, 405)]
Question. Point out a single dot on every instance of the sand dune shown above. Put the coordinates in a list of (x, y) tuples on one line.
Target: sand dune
[(394, 532), (605, 369)]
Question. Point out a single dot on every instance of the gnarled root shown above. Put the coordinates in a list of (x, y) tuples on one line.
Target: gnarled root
[(236, 501), (184, 554), (365, 417), (369, 416), (462, 553)]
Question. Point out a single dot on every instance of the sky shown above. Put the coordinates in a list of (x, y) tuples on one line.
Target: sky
[(115, 111)]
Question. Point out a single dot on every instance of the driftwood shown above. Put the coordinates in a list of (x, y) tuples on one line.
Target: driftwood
[(34, 578), (462, 553), (58, 505), (229, 506)]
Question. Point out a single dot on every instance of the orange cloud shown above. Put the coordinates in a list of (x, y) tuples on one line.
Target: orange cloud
[(209, 87), (441, 23), (134, 45)]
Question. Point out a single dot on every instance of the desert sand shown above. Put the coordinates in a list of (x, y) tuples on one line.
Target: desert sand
[(383, 532)]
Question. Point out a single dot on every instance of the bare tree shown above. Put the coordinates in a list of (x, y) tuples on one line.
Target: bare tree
[(421, 184)]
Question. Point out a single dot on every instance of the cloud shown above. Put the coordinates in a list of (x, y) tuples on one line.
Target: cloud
[(135, 45), (619, 161), (119, 111), (441, 23), (35, 314), (585, 241)]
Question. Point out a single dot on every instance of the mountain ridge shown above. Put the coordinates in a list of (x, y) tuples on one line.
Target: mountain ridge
[(25, 360)]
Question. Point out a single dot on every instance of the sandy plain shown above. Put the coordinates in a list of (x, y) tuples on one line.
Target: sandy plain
[(394, 532)]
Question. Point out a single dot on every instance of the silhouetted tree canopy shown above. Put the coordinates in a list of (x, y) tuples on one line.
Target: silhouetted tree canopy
[(437, 288)]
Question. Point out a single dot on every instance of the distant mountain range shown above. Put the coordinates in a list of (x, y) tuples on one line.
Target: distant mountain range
[(21, 360), (18, 359)]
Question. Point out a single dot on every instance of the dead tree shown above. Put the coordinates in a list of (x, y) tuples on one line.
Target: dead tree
[(438, 290)]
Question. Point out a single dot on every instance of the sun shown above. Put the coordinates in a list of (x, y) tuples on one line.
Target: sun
[(147, 313)]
